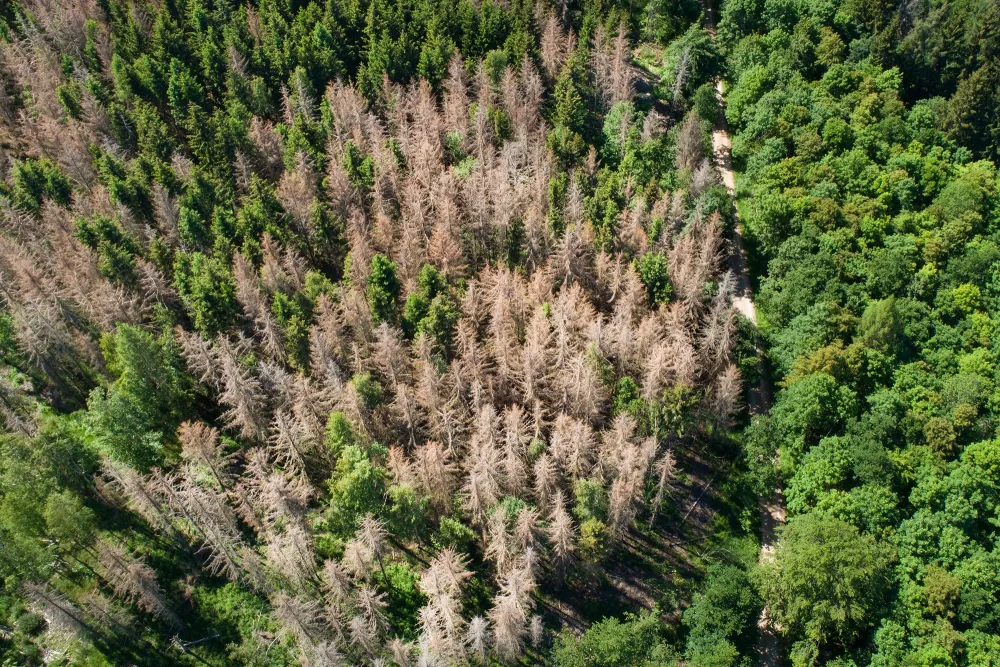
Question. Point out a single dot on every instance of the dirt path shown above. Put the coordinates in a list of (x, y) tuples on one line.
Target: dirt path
[(771, 506)]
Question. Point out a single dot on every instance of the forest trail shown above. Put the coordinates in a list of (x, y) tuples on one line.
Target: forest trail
[(771, 506)]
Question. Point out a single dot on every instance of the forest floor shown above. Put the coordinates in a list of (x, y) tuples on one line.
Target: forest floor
[(654, 566), (660, 565), (771, 506)]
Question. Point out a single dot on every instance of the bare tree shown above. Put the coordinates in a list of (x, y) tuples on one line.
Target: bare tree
[(527, 527), (134, 581), (291, 554), (536, 631), (664, 469), (725, 394), (373, 537), (142, 498), (370, 604), (611, 67), (200, 357), (242, 393), (500, 547), (61, 616), (456, 99), (694, 259), (435, 473), (704, 177), (690, 143), (514, 448), (287, 444), (553, 49), (214, 521), (299, 617), (546, 474), (248, 291), (509, 613), (401, 652), (268, 143), (582, 393), (622, 77), (483, 481), (573, 446), (562, 536), (478, 638), (200, 444), (681, 76)]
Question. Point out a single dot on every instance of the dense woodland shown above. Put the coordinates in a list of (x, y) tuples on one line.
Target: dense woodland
[(864, 134), (350, 334), (399, 332)]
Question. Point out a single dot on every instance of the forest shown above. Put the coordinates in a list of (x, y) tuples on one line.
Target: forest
[(404, 332)]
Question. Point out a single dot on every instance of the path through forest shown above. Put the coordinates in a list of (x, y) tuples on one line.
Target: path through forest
[(771, 506)]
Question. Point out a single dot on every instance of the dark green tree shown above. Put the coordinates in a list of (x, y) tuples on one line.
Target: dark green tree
[(207, 289), (638, 641), (827, 582), (382, 289), (132, 418)]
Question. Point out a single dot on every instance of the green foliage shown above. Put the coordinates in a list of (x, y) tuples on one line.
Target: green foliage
[(878, 329), (32, 470), (35, 180), (604, 206), (692, 58), (131, 418), (654, 271), (431, 310), (356, 488), (369, 390), (706, 102), (809, 409), (407, 512), (294, 314), (722, 619), (359, 168), (567, 145), (403, 598), (435, 54), (127, 183), (494, 63), (70, 96), (558, 185), (116, 250), (873, 231), (339, 433), (570, 111), (439, 322), (207, 289), (382, 289), (760, 449), (570, 117), (638, 641), (593, 542), (664, 21), (68, 520), (628, 397), (867, 213), (238, 616), (827, 582), (620, 131), (452, 533), (591, 500)]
